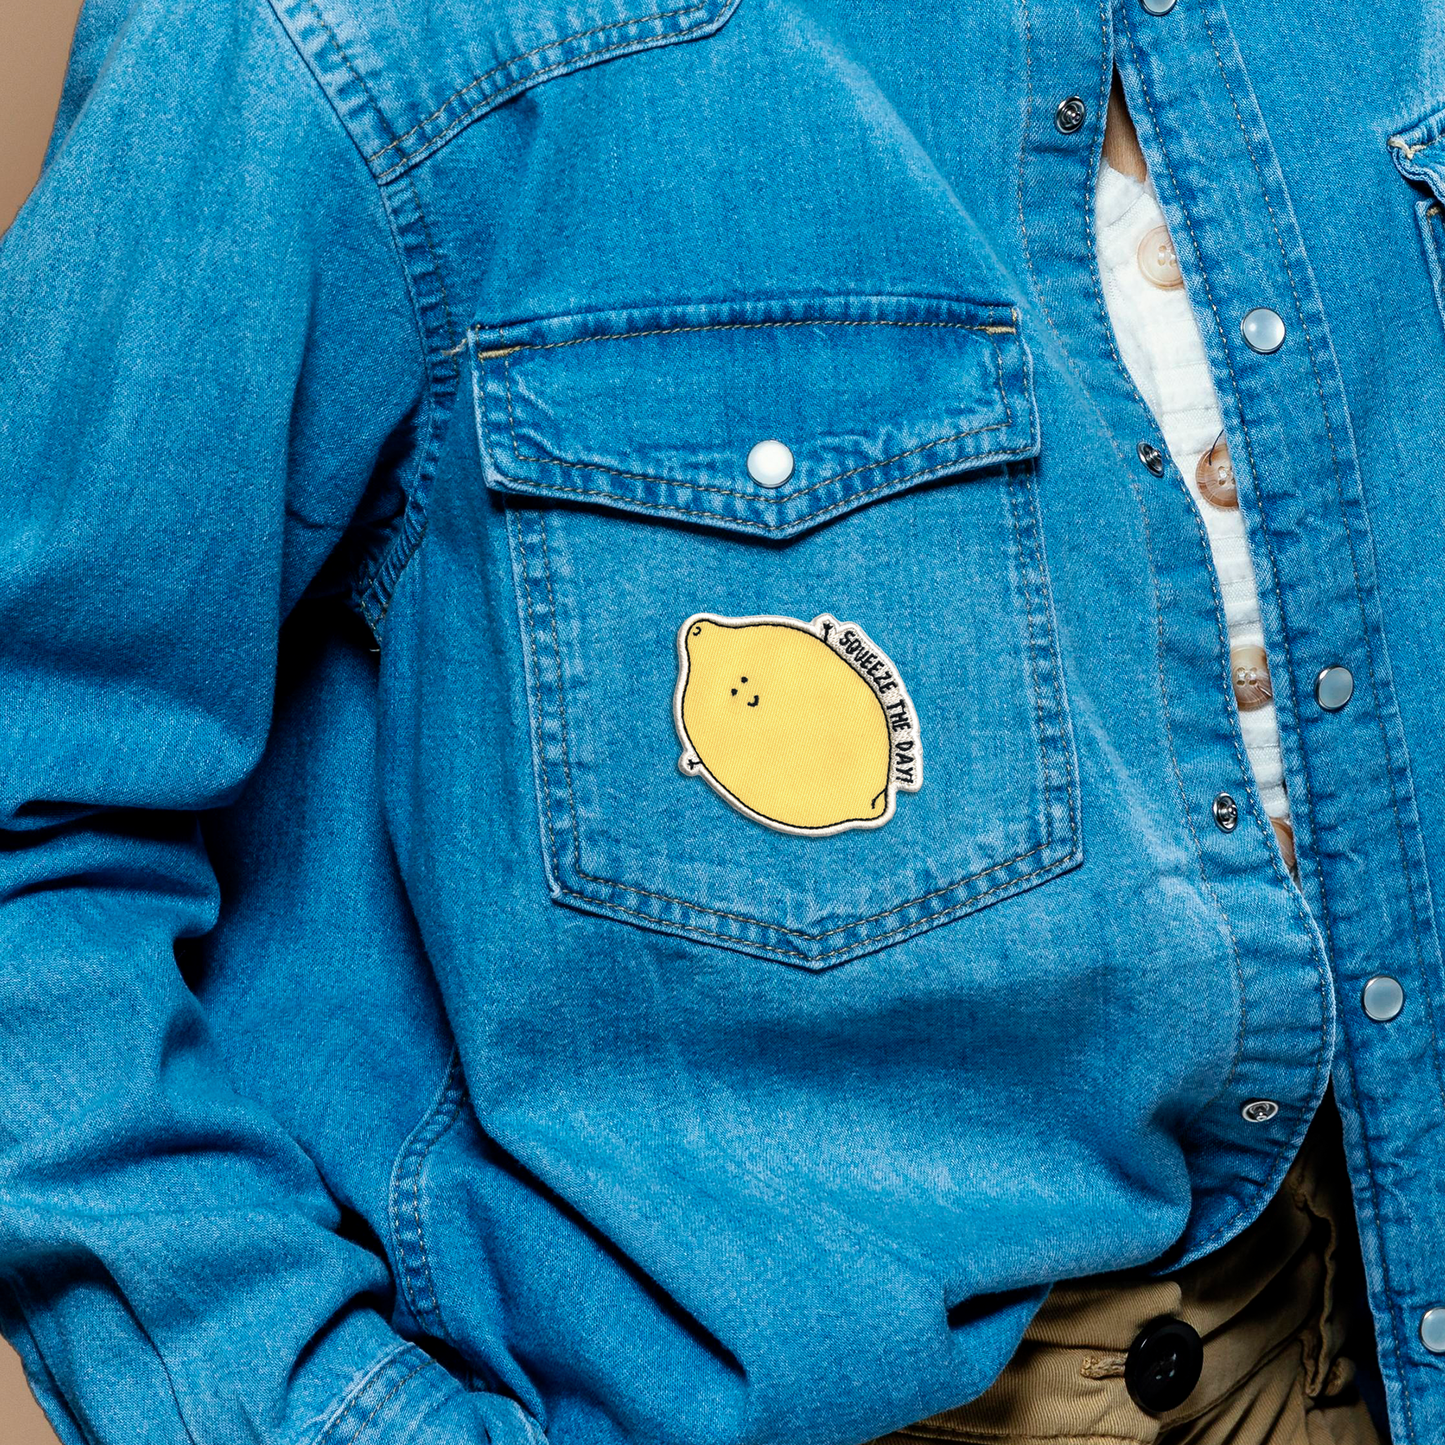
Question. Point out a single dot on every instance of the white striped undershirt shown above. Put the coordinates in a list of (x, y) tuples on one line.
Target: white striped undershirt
[(1159, 342)]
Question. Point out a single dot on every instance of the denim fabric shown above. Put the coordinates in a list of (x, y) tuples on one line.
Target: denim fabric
[(399, 1046)]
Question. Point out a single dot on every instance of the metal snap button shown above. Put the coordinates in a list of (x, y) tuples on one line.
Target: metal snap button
[(1334, 687), (1226, 813), (1163, 1365), (1382, 998), (1263, 330), (770, 463), (1152, 458), (1259, 1111), (1158, 7), (1069, 117)]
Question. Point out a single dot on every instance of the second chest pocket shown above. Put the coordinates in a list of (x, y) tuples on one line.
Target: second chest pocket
[(789, 644), (1419, 156)]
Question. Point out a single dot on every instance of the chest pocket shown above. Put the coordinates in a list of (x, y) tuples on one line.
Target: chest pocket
[(1419, 156), (895, 499)]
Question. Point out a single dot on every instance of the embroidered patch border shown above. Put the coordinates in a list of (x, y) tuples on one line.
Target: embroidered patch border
[(848, 642)]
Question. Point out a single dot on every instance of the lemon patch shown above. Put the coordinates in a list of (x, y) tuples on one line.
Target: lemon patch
[(805, 727)]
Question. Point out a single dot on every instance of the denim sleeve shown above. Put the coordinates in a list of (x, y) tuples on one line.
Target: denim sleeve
[(207, 352)]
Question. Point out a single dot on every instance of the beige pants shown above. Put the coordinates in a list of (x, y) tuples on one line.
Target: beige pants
[(1271, 1307)]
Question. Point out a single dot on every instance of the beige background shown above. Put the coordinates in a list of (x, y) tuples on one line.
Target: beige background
[(34, 41)]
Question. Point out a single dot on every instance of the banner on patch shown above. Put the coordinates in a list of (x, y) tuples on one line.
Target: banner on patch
[(805, 727)]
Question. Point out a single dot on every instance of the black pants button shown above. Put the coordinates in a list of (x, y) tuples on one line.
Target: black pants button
[(1163, 1365)]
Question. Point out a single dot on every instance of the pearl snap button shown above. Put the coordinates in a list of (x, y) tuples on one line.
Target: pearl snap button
[(1334, 687), (1214, 476), (1382, 998), (1259, 1111), (770, 464), (1158, 7), (1432, 1331), (1263, 330), (1158, 263)]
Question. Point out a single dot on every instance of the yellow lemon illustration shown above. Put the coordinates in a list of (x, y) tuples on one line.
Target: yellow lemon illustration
[(789, 725)]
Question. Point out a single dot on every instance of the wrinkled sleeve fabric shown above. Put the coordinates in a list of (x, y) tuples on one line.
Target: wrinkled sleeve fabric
[(206, 347)]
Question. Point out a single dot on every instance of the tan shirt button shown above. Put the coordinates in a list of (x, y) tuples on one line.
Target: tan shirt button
[(1252, 687), (1157, 260), (1214, 476)]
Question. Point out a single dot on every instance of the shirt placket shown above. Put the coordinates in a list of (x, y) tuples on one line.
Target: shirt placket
[(1361, 854), (1241, 1138)]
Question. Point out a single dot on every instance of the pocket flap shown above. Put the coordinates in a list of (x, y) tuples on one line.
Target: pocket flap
[(658, 410), (1419, 153)]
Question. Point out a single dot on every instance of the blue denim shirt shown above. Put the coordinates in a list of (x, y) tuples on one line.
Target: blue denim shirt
[(403, 1044)]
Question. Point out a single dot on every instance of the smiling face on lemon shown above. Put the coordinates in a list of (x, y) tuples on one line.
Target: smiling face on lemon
[(804, 727)]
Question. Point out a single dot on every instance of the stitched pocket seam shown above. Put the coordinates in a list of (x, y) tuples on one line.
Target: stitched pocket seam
[(1428, 216), (550, 460), (702, 908), (970, 903)]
